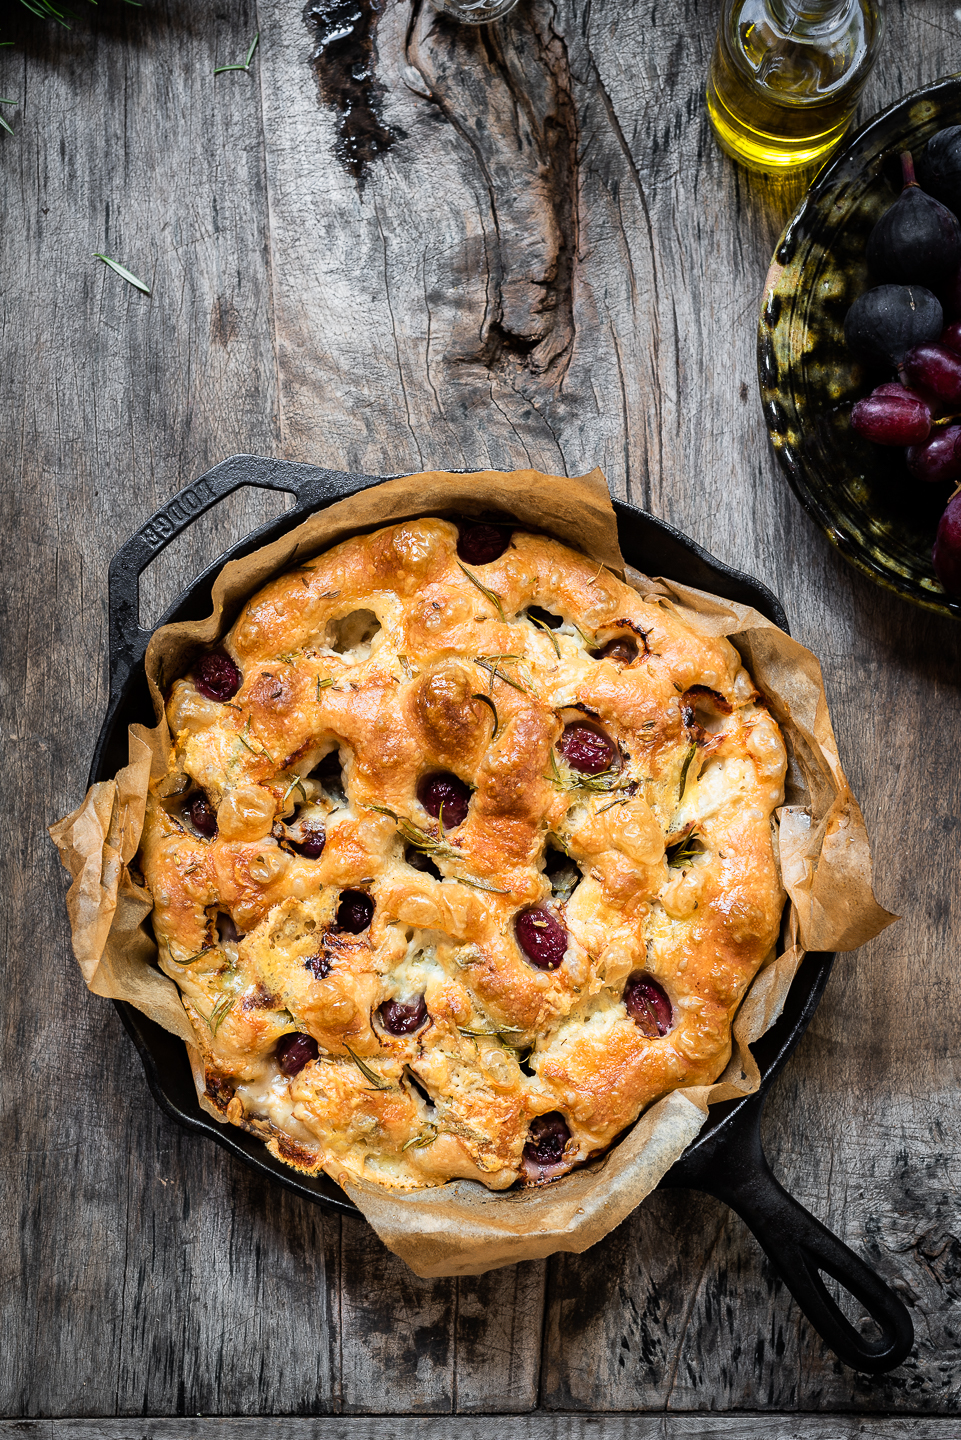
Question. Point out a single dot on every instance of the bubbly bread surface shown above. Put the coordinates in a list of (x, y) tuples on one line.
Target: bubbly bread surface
[(463, 858)]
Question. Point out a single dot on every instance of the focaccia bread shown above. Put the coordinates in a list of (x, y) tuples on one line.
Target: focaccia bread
[(464, 857)]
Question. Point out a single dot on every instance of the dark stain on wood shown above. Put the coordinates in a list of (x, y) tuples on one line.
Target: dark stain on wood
[(344, 62)]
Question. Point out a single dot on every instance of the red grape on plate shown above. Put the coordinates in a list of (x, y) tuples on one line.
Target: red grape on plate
[(935, 370), (947, 548), (892, 419), (938, 458)]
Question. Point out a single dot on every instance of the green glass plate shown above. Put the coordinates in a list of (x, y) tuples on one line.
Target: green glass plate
[(862, 495)]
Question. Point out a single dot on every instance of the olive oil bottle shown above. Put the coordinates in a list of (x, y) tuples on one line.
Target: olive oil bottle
[(786, 76)]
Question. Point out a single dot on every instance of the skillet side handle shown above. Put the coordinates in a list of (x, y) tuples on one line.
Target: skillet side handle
[(310, 485), (799, 1247)]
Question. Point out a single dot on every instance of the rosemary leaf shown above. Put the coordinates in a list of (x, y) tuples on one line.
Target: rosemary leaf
[(218, 1014), (486, 700), (8, 128), (480, 885), (323, 684), (491, 595), (123, 273), (492, 670), (378, 1081), (295, 784), (684, 772), (543, 625), (426, 1137)]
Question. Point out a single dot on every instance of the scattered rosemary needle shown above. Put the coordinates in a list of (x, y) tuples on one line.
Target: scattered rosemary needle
[(543, 625), (121, 271), (323, 684), (218, 1014), (480, 885), (485, 664), (425, 1137), (486, 700), (684, 772), (8, 128), (378, 1081), (295, 784), (491, 595), (245, 65)]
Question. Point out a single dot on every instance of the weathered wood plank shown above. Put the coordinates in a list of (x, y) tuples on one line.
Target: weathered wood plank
[(536, 1427)]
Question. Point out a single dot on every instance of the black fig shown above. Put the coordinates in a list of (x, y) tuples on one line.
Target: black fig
[(884, 324), (917, 238), (939, 169)]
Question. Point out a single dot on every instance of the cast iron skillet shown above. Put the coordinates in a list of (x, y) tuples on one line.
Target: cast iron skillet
[(727, 1159)]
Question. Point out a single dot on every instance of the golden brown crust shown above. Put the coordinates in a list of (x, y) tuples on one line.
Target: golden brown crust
[(390, 654)]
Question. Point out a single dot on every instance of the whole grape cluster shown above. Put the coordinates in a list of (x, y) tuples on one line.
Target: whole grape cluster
[(911, 325)]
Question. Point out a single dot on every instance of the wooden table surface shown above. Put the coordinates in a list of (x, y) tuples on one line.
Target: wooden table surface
[(545, 261)]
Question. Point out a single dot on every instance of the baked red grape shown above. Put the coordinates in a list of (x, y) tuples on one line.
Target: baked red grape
[(947, 549), (295, 1051), (892, 419), (479, 544), (938, 458), (547, 1139), (586, 748), (623, 650), (318, 965), (934, 370), (311, 841), (202, 816), (355, 911), (648, 1006), (542, 937), (951, 337), (443, 789), (217, 677), (403, 1017)]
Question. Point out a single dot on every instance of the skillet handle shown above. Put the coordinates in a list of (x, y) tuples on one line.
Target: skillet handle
[(311, 485), (735, 1169)]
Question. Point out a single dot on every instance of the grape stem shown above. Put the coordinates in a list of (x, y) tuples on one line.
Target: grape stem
[(907, 170)]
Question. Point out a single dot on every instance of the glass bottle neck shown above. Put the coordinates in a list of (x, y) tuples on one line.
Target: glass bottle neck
[(798, 17)]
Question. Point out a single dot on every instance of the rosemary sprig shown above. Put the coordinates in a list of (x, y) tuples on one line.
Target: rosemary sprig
[(121, 271), (486, 662), (480, 885), (684, 772), (218, 1014), (543, 625), (491, 595), (295, 784), (417, 837), (427, 1136), (486, 700), (245, 66), (686, 848), (378, 1081)]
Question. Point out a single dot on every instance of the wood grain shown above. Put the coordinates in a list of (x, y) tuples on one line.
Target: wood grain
[(551, 265)]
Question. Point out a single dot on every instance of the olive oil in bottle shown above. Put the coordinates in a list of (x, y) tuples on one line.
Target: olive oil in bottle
[(786, 76)]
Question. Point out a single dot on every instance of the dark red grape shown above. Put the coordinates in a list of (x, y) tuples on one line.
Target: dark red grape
[(542, 937), (400, 1017), (312, 840), (227, 932), (479, 544), (936, 371), (917, 238), (444, 789), (892, 419), (883, 324), (951, 337), (295, 1051), (586, 748), (202, 816), (623, 650), (547, 1139), (355, 911), (648, 1006), (938, 458), (947, 549), (318, 965), (217, 677)]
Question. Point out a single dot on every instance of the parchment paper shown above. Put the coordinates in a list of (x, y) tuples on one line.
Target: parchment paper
[(462, 1228)]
